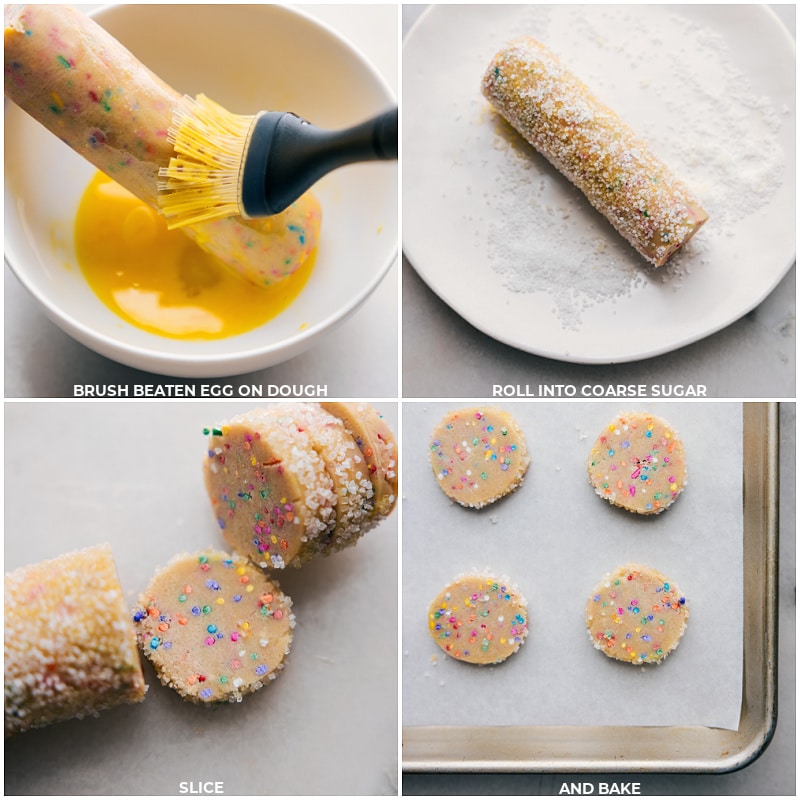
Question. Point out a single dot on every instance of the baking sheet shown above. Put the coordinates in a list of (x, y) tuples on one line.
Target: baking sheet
[(130, 473), (556, 540)]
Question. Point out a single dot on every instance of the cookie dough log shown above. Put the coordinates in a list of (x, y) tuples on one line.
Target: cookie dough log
[(74, 78), (636, 615), (479, 618), (290, 482), (70, 648), (638, 463), (478, 455), (270, 490), (587, 142), (376, 440), (214, 627)]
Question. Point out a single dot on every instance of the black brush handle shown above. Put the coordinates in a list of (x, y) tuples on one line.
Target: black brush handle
[(286, 156)]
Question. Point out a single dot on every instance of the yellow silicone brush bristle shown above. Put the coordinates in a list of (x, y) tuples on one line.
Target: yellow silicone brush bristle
[(202, 180)]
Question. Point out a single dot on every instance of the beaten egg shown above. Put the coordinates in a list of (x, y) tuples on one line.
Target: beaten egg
[(161, 281)]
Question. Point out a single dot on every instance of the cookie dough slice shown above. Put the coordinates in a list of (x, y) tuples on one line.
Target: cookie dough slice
[(479, 618), (478, 455), (638, 463), (269, 488), (70, 648), (345, 464), (214, 627), (376, 440), (636, 615)]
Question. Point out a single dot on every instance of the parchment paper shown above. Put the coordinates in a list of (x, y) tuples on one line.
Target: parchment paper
[(129, 473), (556, 540)]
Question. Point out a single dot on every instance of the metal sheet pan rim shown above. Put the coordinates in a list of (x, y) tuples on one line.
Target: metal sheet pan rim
[(575, 749)]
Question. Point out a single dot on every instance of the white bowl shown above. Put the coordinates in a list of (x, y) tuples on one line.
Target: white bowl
[(246, 57)]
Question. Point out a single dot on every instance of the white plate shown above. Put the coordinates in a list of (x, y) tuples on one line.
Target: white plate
[(517, 251)]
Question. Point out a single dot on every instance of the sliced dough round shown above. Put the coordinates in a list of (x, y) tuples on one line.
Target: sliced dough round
[(478, 455), (374, 437), (345, 464), (479, 618), (636, 615), (214, 626), (638, 463), (271, 491)]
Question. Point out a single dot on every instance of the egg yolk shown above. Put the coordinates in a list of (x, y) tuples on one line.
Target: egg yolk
[(161, 281)]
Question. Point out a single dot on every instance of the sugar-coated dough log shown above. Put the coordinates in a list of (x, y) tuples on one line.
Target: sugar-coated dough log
[(639, 463), (74, 78), (214, 626), (290, 482), (272, 495), (70, 648), (586, 141), (479, 618), (374, 437), (636, 615), (478, 455)]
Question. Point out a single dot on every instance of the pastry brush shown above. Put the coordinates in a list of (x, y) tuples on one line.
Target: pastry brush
[(256, 166)]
